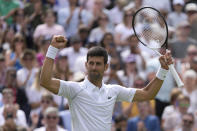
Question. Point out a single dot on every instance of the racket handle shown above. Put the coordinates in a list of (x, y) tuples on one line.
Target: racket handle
[(176, 76)]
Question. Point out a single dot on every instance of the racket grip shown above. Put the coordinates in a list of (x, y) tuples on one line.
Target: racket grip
[(176, 76)]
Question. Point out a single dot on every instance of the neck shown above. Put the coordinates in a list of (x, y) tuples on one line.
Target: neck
[(143, 116), (96, 82)]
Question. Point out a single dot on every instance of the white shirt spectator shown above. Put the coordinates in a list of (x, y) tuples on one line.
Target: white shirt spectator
[(44, 129), (72, 55), (158, 4), (97, 34), (174, 18), (91, 108), (192, 96), (20, 118), (116, 12), (44, 30), (72, 27), (22, 76)]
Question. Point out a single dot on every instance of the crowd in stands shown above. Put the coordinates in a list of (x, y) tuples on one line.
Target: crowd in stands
[(26, 28)]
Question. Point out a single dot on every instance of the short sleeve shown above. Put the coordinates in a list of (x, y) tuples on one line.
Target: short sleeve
[(125, 94), (68, 89)]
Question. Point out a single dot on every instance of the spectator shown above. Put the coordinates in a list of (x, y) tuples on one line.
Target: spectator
[(19, 115), (51, 118), (36, 120), (136, 49), (177, 16), (7, 9), (169, 110), (20, 22), (9, 115), (123, 30), (191, 10), (117, 11), (97, 33), (83, 32), (12, 56), (187, 123), (182, 38), (144, 121), (7, 39), (19, 95), (76, 50), (173, 120), (61, 70), (26, 75), (49, 28), (120, 123), (190, 89), (71, 17)]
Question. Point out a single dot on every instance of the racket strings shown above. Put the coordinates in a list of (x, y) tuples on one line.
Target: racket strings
[(153, 29)]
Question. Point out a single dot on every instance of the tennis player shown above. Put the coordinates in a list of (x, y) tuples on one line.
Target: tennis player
[(91, 101)]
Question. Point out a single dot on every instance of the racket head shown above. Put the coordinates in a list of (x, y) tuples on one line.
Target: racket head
[(149, 23)]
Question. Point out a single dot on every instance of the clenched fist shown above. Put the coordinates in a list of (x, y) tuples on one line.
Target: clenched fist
[(58, 41)]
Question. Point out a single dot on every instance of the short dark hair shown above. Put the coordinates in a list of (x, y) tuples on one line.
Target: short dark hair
[(98, 51)]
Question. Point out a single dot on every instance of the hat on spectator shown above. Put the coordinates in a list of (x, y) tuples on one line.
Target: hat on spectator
[(178, 2), (131, 59), (190, 73), (75, 39), (191, 7), (2, 58)]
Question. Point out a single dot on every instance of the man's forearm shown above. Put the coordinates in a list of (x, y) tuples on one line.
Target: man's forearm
[(46, 72), (153, 87)]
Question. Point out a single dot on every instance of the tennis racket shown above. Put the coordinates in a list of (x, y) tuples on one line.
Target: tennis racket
[(151, 30)]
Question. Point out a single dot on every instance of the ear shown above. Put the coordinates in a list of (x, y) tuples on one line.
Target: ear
[(106, 66)]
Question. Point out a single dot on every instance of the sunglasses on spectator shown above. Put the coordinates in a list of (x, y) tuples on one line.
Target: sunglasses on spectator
[(28, 58), (45, 101), (19, 40), (52, 117), (184, 105), (188, 121), (192, 53)]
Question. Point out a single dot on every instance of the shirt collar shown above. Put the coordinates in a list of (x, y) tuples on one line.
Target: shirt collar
[(91, 86)]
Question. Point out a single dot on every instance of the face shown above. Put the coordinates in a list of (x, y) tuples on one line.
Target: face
[(96, 67), (143, 107), (183, 106), (45, 103), (8, 98), (188, 121), (190, 82), (50, 19), (51, 119), (28, 60)]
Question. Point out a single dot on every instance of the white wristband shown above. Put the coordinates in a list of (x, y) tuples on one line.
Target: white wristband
[(52, 52), (161, 73)]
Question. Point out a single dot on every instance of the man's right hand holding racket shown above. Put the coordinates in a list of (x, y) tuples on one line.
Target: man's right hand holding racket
[(166, 60)]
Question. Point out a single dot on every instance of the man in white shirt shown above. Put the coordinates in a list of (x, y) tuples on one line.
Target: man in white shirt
[(51, 119), (91, 101), (8, 99)]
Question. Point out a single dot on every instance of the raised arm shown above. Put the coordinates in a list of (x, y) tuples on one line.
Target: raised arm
[(150, 91), (46, 79)]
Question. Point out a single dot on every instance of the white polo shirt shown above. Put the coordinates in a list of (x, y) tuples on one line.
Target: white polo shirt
[(91, 108)]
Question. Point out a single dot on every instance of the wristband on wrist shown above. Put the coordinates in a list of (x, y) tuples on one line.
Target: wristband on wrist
[(161, 73), (52, 52)]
